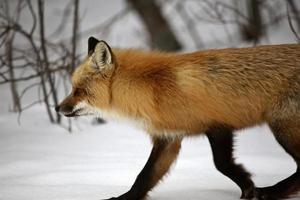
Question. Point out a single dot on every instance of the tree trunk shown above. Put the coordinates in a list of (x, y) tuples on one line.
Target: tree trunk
[(160, 32), (253, 31)]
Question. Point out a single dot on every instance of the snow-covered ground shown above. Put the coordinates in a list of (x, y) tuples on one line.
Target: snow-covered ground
[(40, 161)]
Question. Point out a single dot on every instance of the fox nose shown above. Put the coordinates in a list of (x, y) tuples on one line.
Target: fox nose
[(57, 108)]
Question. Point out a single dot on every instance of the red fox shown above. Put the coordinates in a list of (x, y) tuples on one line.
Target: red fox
[(212, 92)]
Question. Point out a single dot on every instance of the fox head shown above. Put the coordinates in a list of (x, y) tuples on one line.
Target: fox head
[(91, 82)]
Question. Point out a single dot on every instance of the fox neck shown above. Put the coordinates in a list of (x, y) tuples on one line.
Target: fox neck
[(138, 83)]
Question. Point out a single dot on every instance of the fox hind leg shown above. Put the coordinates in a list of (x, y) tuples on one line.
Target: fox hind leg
[(221, 141), (287, 133)]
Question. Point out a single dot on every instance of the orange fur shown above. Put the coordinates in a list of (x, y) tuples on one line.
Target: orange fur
[(187, 93)]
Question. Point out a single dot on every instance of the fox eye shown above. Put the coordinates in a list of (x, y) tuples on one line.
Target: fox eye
[(78, 92)]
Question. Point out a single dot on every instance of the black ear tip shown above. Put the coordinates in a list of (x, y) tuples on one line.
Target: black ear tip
[(93, 40)]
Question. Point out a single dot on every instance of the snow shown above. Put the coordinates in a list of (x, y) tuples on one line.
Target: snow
[(40, 161)]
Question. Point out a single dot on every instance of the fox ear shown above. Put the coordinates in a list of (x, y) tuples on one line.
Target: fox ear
[(102, 55), (92, 42)]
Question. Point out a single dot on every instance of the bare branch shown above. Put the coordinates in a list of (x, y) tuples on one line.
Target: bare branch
[(75, 35), (191, 26), (32, 76), (291, 24)]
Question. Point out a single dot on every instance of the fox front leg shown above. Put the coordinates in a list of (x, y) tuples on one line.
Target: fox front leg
[(163, 154)]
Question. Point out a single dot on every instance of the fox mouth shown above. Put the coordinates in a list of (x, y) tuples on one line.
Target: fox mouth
[(75, 113)]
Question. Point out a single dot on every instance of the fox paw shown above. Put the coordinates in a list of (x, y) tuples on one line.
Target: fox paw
[(125, 196), (265, 194), (118, 198), (248, 193)]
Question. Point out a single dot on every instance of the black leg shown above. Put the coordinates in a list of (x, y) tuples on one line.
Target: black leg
[(163, 154), (281, 190), (286, 132), (221, 141)]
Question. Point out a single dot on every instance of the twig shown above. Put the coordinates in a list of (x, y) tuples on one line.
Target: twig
[(75, 35), (291, 24)]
